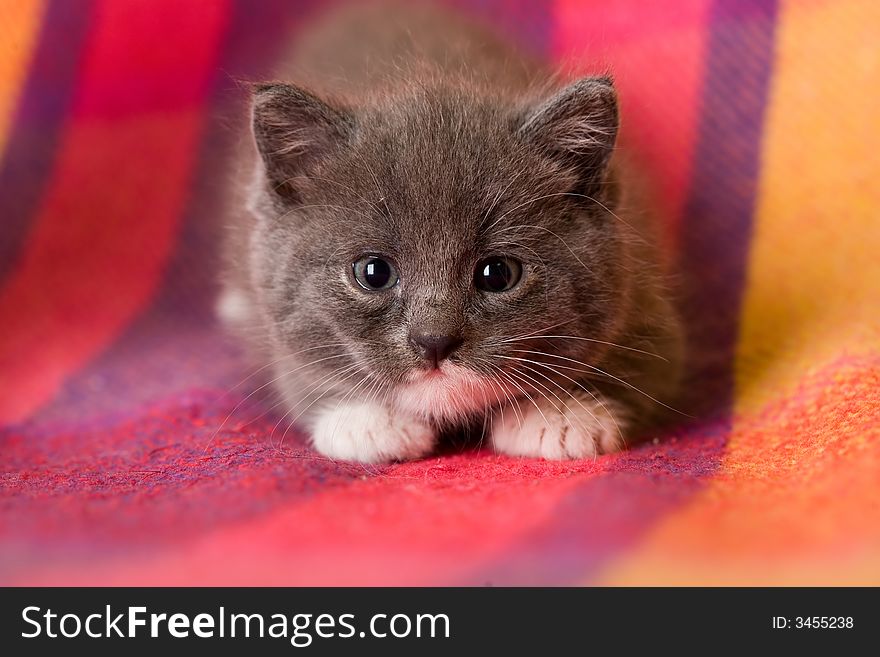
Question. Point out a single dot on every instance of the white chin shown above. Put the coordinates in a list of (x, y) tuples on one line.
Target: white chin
[(449, 394)]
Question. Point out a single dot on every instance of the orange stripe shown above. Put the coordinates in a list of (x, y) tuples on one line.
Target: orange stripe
[(105, 229), (18, 39)]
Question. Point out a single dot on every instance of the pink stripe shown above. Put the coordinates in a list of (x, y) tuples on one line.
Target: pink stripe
[(656, 53)]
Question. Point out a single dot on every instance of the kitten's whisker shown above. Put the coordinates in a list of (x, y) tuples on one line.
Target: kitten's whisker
[(640, 391), (265, 412), (529, 382), (339, 184), (590, 373), (517, 401), (585, 196), (330, 257), (318, 205), (521, 205), (370, 398), (378, 187), (577, 383), (612, 213), (500, 407), (276, 361), (500, 194), (339, 403), (609, 375), (350, 371), (577, 337), (375, 389), (311, 387), (522, 246), (564, 243), (567, 407), (546, 328), (597, 398), (498, 370), (265, 385), (483, 429), (488, 412), (508, 376), (354, 371), (348, 394)]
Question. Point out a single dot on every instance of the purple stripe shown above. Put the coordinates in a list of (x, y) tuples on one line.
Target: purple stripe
[(609, 513), (718, 219), (38, 122)]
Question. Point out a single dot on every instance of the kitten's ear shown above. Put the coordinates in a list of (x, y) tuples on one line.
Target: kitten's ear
[(578, 125), (294, 130)]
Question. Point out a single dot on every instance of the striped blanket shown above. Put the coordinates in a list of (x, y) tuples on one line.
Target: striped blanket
[(758, 121)]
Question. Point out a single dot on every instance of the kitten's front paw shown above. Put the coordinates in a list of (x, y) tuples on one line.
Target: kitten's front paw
[(584, 429), (371, 433)]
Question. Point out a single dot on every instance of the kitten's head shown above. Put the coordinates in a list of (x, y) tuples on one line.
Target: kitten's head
[(433, 237)]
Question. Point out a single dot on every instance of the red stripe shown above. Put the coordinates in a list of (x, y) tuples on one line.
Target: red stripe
[(107, 223), (656, 52), (427, 522)]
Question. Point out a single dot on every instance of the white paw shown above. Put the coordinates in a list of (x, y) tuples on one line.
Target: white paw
[(371, 433), (585, 428)]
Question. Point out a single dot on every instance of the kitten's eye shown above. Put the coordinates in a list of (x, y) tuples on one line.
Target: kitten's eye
[(497, 274), (374, 273)]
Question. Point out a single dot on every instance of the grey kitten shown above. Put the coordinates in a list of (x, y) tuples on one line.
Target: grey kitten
[(435, 236)]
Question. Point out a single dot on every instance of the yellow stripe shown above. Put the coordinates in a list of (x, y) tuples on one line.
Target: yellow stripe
[(794, 498), (19, 28), (814, 275)]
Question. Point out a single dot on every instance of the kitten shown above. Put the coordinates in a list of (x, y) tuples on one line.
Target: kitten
[(434, 235)]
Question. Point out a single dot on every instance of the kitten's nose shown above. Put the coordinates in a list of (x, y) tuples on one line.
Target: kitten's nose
[(435, 348)]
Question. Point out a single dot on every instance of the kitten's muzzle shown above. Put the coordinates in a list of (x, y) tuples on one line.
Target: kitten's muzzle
[(434, 348)]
